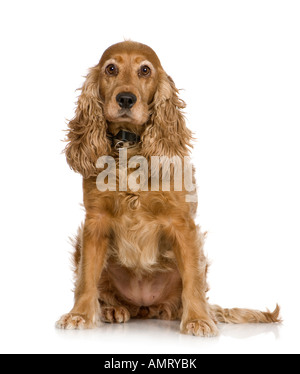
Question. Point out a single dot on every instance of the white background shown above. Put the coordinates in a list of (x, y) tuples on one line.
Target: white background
[(238, 63)]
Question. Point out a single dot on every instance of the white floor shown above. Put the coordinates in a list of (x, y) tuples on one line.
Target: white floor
[(164, 337), (34, 334)]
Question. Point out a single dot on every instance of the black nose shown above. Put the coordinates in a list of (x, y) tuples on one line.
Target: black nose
[(126, 100)]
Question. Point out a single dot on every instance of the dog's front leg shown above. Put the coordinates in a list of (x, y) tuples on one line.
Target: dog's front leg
[(86, 310), (187, 243)]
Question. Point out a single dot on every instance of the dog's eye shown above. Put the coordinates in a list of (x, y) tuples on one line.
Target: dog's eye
[(145, 71), (111, 69)]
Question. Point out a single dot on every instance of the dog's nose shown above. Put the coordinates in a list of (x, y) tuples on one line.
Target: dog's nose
[(126, 100)]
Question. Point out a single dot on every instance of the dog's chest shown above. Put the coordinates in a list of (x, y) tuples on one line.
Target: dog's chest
[(136, 242)]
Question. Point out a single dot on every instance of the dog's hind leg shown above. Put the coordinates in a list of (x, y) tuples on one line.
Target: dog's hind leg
[(112, 310)]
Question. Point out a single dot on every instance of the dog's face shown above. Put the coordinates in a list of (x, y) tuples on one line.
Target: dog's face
[(128, 82), (127, 90)]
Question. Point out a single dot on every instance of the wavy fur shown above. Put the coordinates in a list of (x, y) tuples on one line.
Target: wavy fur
[(166, 133), (87, 136)]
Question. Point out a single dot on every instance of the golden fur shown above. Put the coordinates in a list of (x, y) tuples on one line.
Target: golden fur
[(138, 254)]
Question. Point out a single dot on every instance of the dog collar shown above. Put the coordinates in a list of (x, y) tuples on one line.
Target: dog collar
[(125, 139)]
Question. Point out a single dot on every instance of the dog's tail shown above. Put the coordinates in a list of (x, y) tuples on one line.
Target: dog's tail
[(238, 315)]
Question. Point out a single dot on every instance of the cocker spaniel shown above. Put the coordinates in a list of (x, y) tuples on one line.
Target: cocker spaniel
[(139, 253)]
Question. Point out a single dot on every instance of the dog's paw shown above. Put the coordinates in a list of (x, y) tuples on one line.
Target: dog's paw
[(72, 321), (204, 328), (162, 311), (114, 314)]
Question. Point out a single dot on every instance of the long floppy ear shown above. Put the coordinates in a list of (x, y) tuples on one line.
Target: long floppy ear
[(87, 138), (166, 133)]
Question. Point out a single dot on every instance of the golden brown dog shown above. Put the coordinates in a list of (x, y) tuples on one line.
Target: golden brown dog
[(139, 254)]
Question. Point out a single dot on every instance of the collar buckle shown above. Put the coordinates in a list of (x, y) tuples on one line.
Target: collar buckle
[(125, 139)]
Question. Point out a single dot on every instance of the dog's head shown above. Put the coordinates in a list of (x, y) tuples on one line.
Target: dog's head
[(128, 79), (128, 87)]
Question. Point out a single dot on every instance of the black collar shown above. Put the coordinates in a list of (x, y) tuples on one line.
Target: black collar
[(123, 137)]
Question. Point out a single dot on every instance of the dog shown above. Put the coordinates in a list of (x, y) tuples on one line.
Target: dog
[(139, 253)]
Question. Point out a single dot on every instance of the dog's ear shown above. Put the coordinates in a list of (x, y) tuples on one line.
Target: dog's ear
[(166, 133), (87, 135)]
